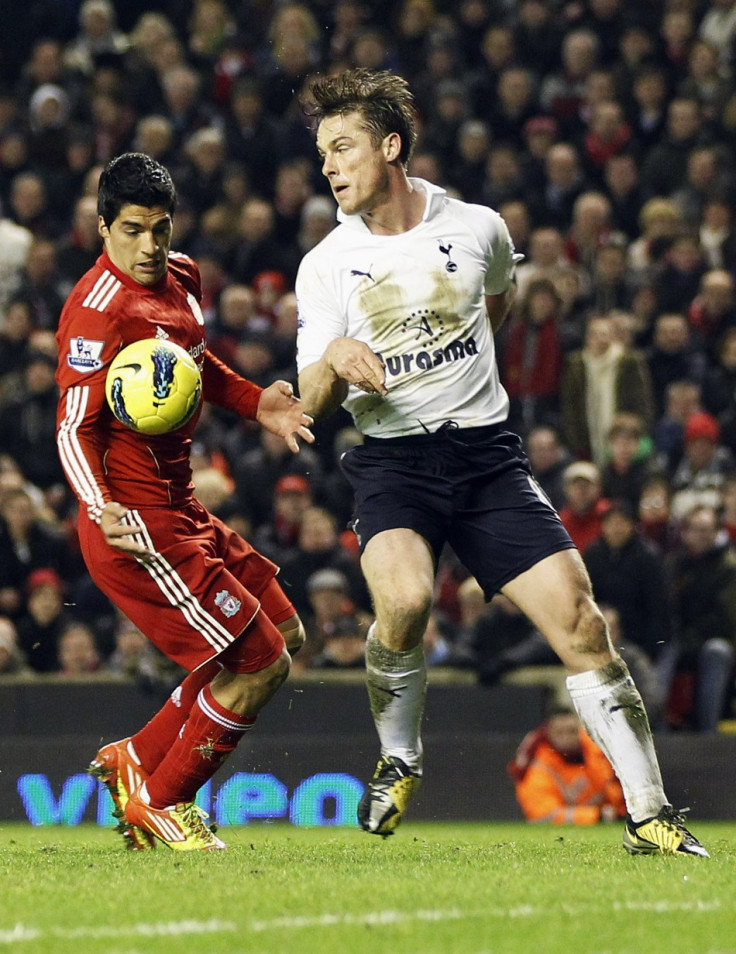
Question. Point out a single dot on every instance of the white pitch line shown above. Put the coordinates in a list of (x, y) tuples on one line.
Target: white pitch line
[(373, 919), (22, 932)]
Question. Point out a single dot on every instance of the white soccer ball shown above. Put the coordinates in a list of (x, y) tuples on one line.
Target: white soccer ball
[(153, 386)]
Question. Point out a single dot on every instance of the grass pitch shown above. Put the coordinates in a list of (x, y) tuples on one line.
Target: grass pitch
[(431, 889)]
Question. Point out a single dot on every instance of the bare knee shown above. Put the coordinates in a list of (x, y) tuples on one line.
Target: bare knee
[(247, 692), (402, 616), (294, 634), (588, 644)]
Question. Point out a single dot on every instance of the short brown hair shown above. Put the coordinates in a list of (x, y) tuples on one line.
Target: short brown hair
[(383, 100)]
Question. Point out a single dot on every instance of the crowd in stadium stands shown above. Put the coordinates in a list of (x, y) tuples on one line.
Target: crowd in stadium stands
[(604, 132)]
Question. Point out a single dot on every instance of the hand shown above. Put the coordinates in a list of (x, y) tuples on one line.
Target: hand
[(354, 362), (280, 411), (117, 533)]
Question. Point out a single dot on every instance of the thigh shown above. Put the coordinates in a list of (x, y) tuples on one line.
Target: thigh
[(183, 596), (504, 526), (399, 488), (556, 596), (399, 568)]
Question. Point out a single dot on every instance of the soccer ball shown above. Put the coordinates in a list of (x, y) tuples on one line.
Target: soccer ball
[(153, 386)]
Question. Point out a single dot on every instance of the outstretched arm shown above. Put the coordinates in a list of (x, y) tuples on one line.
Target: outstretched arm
[(281, 412), (324, 385)]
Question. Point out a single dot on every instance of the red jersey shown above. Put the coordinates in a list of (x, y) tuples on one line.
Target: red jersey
[(103, 459)]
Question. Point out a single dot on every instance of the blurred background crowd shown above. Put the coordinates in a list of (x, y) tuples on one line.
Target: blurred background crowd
[(604, 132)]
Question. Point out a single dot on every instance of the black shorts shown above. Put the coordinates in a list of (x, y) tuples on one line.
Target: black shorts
[(469, 487)]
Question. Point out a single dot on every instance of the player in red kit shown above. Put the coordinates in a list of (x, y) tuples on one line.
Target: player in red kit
[(200, 592)]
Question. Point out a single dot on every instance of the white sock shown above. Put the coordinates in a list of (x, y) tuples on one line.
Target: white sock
[(397, 684), (610, 708)]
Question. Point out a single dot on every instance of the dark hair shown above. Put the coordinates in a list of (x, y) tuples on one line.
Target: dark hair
[(381, 98), (134, 179)]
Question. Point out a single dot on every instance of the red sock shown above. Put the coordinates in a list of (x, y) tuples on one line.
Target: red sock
[(210, 734), (157, 736)]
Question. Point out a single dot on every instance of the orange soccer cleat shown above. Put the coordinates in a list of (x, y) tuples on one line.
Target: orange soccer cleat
[(117, 767)]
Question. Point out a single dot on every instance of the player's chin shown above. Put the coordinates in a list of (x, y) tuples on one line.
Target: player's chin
[(147, 276)]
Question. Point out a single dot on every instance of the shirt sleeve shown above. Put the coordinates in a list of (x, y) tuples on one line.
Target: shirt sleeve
[(87, 341), (321, 320), (223, 387), (502, 257)]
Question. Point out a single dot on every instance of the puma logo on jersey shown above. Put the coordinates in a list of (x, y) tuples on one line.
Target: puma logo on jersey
[(357, 271)]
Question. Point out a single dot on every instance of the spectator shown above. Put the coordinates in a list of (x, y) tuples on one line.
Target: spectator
[(649, 105), (79, 248), (28, 422), (40, 627), (546, 259), (584, 508), (15, 331), (717, 234), (12, 658), (548, 458), (317, 218), (562, 777), (665, 166), (562, 91), (98, 36), (624, 473), (683, 267), (682, 399), (708, 177), (43, 285), (590, 229), (257, 471), (27, 544), (623, 188), (673, 356), (531, 364), (336, 629), (565, 184), (719, 387), (135, 658), (598, 381), (704, 576), (320, 549), (700, 474), (659, 222), (655, 521), (77, 654), (504, 639), (713, 309), (278, 538), (626, 573), (15, 240)]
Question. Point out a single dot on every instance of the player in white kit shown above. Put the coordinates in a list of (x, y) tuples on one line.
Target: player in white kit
[(397, 310)]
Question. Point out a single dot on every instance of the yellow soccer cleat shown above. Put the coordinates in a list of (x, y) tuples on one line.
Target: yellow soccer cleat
[(181, 828), (119, 770), (663, 834), (388, 793)]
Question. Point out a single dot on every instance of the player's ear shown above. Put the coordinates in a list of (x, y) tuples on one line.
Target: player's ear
[(102, 229), (392, 147)]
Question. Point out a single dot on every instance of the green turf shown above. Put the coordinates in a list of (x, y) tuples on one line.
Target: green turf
[(431, 889)]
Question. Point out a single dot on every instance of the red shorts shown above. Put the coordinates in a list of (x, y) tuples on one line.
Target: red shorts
[(199, 590)]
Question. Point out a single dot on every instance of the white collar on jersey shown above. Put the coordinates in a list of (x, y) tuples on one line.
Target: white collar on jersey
[(435, 197)]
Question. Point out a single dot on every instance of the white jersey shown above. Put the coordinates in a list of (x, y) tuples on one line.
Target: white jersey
[(417, 299)]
